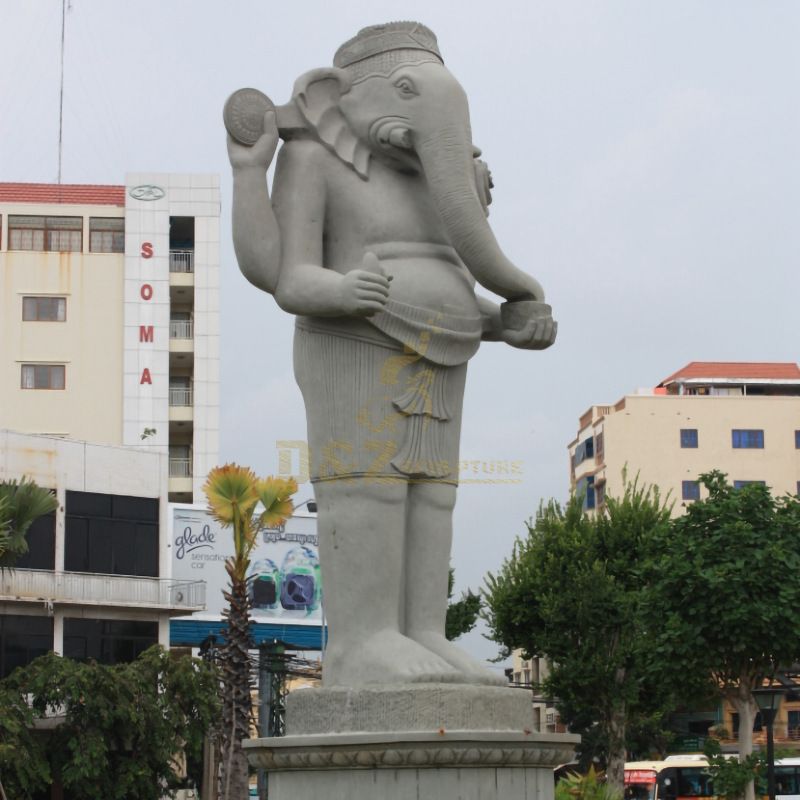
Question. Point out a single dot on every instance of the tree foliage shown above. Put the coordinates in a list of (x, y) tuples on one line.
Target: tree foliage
[(234, 494), (573, 591), (462, 614), (21, 504), (725, 591), (114, 732)]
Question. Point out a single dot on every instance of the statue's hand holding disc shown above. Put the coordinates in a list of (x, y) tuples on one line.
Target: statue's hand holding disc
[(251, 122), (365, 290)]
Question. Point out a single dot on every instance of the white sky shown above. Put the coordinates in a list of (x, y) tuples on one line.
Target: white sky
[(646, 164)]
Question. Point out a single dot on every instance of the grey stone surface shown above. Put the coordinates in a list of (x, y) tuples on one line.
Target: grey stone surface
[(375, 236), (411, 750), (419, 707), (415, 784), (462, 765)]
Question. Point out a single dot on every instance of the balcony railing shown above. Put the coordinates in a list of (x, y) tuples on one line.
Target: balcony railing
[(87, 588), (181, 261), (180, 396), (180, 467), (181, 329)]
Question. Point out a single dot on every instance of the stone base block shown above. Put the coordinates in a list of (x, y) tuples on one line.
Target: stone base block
[(420, 707), (455, 765), (443, 784)]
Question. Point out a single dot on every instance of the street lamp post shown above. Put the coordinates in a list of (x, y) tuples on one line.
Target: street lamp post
[(769, 699)]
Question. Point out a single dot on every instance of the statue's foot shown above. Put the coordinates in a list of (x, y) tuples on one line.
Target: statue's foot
[(470, 671), (386, 657)]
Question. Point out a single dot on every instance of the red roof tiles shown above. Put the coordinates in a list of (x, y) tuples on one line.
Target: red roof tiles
[(78, 194), (747, 370)]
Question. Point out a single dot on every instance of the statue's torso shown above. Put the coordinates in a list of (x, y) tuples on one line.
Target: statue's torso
[(392, 215)]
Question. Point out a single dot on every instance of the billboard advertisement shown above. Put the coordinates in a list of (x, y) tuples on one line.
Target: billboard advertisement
[(283, 581)]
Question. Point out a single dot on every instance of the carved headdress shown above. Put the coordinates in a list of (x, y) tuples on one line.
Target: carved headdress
[(380, 49)]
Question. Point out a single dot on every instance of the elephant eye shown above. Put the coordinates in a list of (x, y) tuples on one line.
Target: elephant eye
[(405, 87)]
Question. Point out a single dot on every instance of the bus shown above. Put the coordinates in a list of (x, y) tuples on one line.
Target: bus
[(679, 777), (685, 777), (787, 779)]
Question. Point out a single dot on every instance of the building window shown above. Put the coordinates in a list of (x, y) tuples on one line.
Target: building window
[(108, 641), (106, 235), (111, 534), (747, 439), (689, 437), (690, 490), (742, 484), (56, 234), (797, 440), (598, 444), (44, 309), (793, 724), (600, 493), (42, 376), (583, 451), (585, 487), (22, 639), (41, 539)]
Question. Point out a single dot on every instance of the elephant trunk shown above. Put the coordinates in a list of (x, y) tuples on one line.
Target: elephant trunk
[(447, 162)]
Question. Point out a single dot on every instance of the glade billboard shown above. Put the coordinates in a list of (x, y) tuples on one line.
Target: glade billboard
[(283, 580)]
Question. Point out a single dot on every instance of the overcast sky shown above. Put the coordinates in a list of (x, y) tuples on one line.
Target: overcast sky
[(645, 159)]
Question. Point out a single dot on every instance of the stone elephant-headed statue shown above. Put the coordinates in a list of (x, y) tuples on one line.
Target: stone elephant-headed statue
[(374, 237)]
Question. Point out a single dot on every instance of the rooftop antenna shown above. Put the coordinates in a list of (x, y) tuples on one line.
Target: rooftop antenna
[(61, 93)]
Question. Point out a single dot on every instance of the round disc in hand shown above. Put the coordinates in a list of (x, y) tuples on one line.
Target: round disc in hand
[(244, 114)]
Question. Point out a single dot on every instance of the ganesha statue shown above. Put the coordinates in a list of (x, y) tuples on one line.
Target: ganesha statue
[(374, 236)]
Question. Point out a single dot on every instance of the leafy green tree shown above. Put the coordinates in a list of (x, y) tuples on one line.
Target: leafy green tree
[(725, 592), (573, 591), (117, 730), (21, 504), (462, 614), (234, 493)]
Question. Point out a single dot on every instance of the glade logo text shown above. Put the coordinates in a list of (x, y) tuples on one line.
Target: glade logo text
[(187, 541), (147, 192)]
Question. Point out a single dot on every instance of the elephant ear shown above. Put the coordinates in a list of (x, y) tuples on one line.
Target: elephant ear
[(317, 95)]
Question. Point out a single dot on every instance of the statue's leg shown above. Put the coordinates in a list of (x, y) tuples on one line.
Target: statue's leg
[(428, 541), (361, 524)]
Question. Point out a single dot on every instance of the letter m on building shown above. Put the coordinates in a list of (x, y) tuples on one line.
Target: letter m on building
[(145, 333)]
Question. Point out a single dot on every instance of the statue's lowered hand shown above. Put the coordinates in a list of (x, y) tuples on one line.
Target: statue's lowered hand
[(528, 324), (364, 291), (261, 153)]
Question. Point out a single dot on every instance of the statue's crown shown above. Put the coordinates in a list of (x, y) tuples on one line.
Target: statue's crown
[(377, 39)]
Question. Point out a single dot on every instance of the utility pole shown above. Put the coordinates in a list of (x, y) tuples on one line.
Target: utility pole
[(61, 93), (272, 662)]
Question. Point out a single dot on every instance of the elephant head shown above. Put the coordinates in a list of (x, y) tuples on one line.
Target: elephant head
[(389, 96)]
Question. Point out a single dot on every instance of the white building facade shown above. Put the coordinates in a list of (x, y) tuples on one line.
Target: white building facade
[(110, 316), (93, 583)]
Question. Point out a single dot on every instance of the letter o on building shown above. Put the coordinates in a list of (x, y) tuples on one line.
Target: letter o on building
[(146, 291)]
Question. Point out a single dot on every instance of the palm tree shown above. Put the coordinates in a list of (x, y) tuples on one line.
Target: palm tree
[(234, 495), (21, 504)]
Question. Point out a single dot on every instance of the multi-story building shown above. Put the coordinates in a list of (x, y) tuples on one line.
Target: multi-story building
[(741, 418), (109, 397), (109, 316), (92, 584), (530, 674)]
